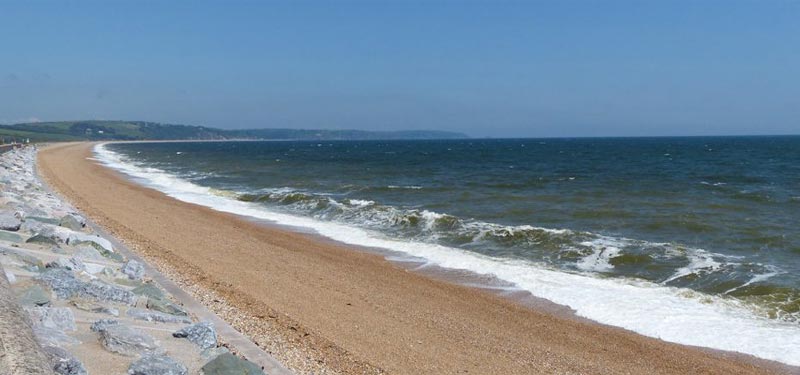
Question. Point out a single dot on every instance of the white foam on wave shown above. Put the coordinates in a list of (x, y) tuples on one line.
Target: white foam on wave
[(700, 261), (360, 202), (673, 314), (771, 271), (603, 249)]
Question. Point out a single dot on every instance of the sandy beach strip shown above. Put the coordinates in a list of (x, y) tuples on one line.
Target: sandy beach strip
[(323, 307)]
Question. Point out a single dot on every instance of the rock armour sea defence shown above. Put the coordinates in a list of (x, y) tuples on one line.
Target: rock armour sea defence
[(65, 289)]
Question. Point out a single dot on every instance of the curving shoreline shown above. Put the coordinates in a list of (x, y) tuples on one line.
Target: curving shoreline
[(426, 325)]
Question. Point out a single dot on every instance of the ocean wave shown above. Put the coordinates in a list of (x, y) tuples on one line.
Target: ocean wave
[(410, 187), (656, 309), (564, 248), (713, 183), (770, 271)]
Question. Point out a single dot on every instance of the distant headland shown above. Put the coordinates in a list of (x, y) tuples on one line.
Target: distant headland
[(95, 130)]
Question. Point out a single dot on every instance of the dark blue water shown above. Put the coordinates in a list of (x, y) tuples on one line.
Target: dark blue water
[(717, 215)]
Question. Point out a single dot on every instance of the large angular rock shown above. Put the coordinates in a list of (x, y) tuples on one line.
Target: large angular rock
[(229, 364), (162, 305), (34, 296), (8, 221), (71, 222), (201, 334), (157, 365), (64, 363), (133, 269), (101, 291), (59, 318), (99, 243), (62, 282), (127, 341), (36, 227), (66, 285), (153, 316), (89, 253), (149, 290)]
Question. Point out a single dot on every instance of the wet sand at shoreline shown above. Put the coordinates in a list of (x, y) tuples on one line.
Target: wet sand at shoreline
[(351, 311)]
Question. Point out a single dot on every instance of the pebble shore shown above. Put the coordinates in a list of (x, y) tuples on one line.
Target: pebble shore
[(88, 308)]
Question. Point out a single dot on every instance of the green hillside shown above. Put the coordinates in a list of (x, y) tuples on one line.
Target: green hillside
[(139, 130)]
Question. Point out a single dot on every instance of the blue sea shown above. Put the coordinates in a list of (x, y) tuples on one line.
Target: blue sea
[(692, 240)]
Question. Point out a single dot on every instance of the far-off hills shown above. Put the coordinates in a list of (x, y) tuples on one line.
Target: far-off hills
[(93, 130)]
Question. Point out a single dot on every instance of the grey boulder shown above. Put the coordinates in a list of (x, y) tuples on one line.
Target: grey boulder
[(63, 362), (66, 285), (201, 334), (86, 252), (102, 291), (8, 221), (61, 281), (157, 365), (34, 226), (133, 269), (127, 341), (229, 364), (58, 318), (149, 290), (71, 222), (34, 296), (164, 306), (99, 243)]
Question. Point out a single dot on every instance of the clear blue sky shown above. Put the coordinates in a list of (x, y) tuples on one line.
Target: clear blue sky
[(487, 68)]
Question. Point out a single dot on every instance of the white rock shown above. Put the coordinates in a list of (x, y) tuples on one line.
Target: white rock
[(77, 238), (11, 278), (93, 269)]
